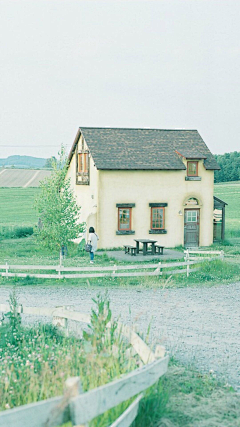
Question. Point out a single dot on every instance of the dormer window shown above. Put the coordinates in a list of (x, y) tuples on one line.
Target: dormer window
[(192, 168), (82, 168)]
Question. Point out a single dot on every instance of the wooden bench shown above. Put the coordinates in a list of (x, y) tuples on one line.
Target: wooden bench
[(130, 249), (159, 249)]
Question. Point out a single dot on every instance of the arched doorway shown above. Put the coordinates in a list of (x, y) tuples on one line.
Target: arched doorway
[(191, 222)]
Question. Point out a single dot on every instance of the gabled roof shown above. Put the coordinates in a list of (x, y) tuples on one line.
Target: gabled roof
[(219, 201), (191, 154), (144, 149)]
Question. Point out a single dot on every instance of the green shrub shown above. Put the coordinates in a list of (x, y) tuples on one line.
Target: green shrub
[(15, 232)]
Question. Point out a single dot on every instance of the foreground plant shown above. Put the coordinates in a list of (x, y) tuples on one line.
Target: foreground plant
[(35, 362)]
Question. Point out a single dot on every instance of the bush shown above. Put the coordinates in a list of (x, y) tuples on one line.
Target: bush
[(15, 232)]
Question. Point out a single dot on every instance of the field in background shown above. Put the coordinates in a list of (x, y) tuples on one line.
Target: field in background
[(229, 192), (17, 206)]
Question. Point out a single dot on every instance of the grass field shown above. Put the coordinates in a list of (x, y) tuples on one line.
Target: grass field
[(17, 206), (229, 192)]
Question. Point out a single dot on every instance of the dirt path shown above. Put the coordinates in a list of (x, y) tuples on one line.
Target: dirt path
[(199, 325)]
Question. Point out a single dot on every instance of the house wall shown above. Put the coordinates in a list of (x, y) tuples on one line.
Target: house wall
[(144, 187), (86, 195)]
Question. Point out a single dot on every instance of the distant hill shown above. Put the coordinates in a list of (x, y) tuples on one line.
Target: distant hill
[(23, 162)]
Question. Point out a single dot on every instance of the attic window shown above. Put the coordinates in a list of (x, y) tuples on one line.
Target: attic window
[(82, 162), (192, 168), (82, 168)]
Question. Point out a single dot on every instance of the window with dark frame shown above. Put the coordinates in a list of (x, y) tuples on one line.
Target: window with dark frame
[(124, 219), (157, 218), (192, 168), (83, 162), (82, 168)]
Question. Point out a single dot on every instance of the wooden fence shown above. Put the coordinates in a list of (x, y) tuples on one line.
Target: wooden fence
[(62, 272), (201, 256), (82, 407)]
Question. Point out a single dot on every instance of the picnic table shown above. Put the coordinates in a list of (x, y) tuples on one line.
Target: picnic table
[(146, 243)]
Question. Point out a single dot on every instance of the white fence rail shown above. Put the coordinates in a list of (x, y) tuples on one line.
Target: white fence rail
[(132, 270), (201, 256), (80, 407)]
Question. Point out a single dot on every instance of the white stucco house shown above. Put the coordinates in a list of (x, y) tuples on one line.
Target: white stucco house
[(136, 183)]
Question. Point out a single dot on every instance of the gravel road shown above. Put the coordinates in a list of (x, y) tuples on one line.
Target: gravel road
[(200, 326)]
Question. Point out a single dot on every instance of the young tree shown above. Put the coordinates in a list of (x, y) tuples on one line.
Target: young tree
[(57, 208), (49, 162)]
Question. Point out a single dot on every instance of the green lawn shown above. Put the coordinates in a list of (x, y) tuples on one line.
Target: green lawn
[(17, 206), (229, 192)]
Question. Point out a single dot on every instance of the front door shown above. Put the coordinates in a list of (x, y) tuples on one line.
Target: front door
[(191, 228)]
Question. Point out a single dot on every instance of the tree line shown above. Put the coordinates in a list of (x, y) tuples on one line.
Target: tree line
[(230, 167)]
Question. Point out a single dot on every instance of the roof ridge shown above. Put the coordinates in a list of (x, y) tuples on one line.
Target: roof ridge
[(107, 127)]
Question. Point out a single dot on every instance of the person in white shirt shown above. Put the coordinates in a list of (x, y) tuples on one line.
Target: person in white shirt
[(92, 238)]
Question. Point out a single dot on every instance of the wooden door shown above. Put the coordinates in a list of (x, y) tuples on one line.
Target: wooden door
[(191, 228)]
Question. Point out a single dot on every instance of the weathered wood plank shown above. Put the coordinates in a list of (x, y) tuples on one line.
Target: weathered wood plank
[(111, 267), (128, 416), (38, 276), (72, 315), (35, 414), (176, 264), (145, 353), (39, 311), (90, 269), (95, 275), (29, 267), (4, 308), (203, 252), (110, 395)]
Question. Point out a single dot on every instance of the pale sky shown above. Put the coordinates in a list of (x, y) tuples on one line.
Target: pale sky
[(166, 64)]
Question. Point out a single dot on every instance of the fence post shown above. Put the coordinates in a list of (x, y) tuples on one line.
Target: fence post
[(73, 387), (187, 260), (188, 268), (61, 322), (160, 351), (60, 265), (158, 269), (7, 268), (222, 255)]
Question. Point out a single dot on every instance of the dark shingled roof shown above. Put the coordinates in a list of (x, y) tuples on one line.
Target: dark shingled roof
[(144, 149)]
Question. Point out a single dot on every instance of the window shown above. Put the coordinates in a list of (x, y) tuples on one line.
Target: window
[(191, 216), (157, 221), (82, 168), (83, 162), (192, 168), (124, 219), (157, 218)]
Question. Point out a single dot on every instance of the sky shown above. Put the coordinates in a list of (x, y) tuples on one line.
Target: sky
[(167, 64)]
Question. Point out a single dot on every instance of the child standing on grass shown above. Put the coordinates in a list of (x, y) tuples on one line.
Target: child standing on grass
[(93, 238)]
